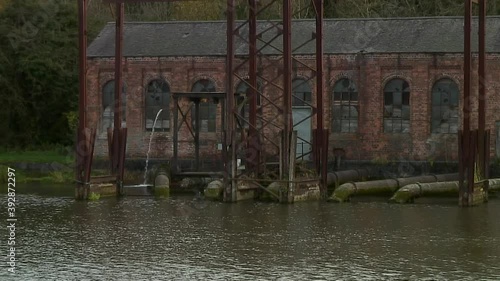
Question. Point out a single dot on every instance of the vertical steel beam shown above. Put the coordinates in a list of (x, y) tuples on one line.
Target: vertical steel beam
[(324, 169), (287, 81), (82, 150), (82, 59), (482, 65), (224, 131), (253, 155), (467, 67), (197, 134), (230, 191), (90, 144), (176, 134), (482, 89), (464, 158), (118, 86), (118, 64), (121, 160), (321, 157), (319, 65)]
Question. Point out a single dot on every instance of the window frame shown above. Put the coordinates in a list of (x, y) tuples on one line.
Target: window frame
[(240, 98), (453, 97), (110, 84), (403, 102), (347, 91), (306, 99), (205, 103), (164, 94)]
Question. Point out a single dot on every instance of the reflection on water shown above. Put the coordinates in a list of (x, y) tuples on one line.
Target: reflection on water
[(185, 239)]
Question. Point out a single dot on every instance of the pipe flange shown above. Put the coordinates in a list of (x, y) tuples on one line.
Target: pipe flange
[(419, 188), (355, 187)]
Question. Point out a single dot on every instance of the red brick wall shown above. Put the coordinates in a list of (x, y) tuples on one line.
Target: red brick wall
[(370, 73)]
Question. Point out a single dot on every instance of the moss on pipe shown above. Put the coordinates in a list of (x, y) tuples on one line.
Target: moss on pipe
[(408, 193), (381, 187), (342, 193)]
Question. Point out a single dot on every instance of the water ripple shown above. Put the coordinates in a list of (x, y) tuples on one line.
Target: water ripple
[(147, 239)]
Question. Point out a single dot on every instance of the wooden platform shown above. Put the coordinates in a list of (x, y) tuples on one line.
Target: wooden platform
[(102, 179)]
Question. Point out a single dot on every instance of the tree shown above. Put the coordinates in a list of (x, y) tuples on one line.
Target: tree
[(38, 71)]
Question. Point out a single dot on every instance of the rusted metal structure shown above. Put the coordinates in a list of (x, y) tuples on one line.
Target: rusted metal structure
[(194, 131), (257, 159), (263, 145), (117, 136), (85, 136), (474, 144)]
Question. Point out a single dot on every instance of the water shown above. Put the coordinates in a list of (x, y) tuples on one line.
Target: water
[(149, 147), (184, 239)]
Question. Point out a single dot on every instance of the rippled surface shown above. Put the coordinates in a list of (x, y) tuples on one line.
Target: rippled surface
[(184, 239)]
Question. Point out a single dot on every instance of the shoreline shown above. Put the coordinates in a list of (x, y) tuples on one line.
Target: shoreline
[(63, 172)]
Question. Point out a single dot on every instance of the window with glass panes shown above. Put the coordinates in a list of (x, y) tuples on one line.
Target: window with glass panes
[(301, 92), (397, 106), (345, 107), (208, 110), (243, 102), (108, 105), (444, 119), (157, 98)]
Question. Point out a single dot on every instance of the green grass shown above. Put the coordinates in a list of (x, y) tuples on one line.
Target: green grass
[(36, 156), (27, 177), (94, 196)]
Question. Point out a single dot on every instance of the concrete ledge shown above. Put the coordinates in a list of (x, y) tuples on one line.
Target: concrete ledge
[(245, 194), (307, 192), (104, 189)]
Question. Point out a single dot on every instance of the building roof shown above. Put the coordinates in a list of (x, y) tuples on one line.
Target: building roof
[(341, 36)]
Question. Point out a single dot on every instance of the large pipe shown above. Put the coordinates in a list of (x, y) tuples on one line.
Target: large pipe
[(408, 193), (379, 187), (335, 179)]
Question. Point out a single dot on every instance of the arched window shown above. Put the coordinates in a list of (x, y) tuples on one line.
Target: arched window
[(208, 110), (345, 106), (445, 94), (241, 93), (301, 92), (158, 97), (397, 106), (108, 105)]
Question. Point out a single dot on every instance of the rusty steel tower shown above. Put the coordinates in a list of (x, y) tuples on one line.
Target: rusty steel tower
[(474, 145), (267, 135)]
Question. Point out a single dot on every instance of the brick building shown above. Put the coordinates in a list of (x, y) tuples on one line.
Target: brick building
[(393, 86)]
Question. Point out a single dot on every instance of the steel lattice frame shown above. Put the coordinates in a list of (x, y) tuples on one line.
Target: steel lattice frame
[(474, 145), (260, 136), (282, 102), (117, 137)]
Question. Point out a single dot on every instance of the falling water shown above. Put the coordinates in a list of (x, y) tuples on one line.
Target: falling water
[(149, 147)]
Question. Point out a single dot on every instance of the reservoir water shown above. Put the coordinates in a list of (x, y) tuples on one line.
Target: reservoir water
[(183, 238)]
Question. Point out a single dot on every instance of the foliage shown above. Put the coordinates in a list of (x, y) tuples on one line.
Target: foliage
[(3, 3), (4, 175), (38, 71), (47, 155), (94, 196), (38, 50)]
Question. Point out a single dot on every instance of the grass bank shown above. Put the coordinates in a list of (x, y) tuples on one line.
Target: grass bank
[(61, 157), (49, 165), (23, 176)]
